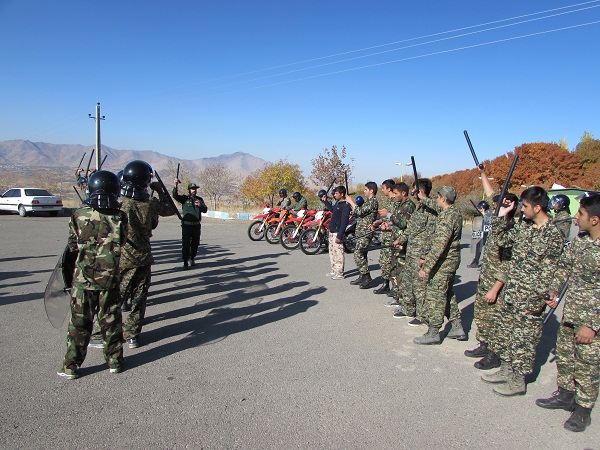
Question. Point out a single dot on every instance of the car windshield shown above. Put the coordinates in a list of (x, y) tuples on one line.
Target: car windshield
[(37, 192)]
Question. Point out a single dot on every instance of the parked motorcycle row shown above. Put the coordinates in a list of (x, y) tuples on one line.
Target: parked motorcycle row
[(308, 229)]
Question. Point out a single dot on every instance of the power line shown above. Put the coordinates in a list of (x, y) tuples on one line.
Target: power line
[(406, 59)]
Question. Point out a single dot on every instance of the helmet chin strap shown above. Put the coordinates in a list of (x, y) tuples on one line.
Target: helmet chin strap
[(103, 201)]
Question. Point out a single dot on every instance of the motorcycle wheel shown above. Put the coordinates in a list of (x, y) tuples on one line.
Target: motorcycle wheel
[(255, 233), (271, 239), (349, 246), (287, 237), (310, 242)]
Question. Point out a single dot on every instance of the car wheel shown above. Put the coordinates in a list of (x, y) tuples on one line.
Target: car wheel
[(22, 211)]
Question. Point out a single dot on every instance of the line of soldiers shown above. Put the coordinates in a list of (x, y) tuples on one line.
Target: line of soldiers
[(525, 263), (111, 239)]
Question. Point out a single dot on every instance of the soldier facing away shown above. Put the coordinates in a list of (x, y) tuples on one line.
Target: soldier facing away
[(97, 232)]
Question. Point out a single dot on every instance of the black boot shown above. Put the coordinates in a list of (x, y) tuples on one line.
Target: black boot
[(359, 280), (367, 282), (561, 399), (490, 361), (385, 287), (579, 420), (478, 352)]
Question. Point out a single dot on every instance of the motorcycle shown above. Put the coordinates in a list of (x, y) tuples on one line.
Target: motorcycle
[(273, 231), (316, 234), (290, 234), (256, 230)]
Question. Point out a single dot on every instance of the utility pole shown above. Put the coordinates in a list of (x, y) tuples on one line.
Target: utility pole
[(403, 165), (97, 118)]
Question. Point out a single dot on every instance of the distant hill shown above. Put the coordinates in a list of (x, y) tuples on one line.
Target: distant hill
[(27, 156)]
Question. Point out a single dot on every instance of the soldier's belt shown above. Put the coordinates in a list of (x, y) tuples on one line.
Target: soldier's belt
[(188, 222)]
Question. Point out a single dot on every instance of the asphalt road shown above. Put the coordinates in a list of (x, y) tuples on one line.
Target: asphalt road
[(254, 348)]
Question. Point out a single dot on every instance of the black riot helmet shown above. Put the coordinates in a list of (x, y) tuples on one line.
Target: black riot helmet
[(560, 202), (483, 205), (103, 190), (138, 173), (296, 196), (321, 193), (282, 193)]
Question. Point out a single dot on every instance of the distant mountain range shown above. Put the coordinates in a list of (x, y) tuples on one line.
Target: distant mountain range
[(22, 155)]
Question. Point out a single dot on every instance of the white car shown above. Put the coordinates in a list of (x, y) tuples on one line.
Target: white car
[(26, 200)]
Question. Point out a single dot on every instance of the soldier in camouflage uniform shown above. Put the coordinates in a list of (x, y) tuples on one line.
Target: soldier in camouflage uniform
[(386, 204), (366, 214), (578, 342), (284, 201), (490, 293), (416, 238), (439, 269), (399, 217), (536, 248), (97, 232), (299, 203), (136, 259), (562, 217)]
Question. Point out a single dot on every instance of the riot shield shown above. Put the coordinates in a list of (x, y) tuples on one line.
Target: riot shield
[(57, 297), (476, 232)]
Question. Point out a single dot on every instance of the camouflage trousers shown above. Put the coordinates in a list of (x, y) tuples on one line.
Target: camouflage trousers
[(336, 255), (85, 304), (397, 272), (386, 259), (485, 313), (440, 300), (515, 337), (578, 366), (135, 283), (360, 254), (412, 289)]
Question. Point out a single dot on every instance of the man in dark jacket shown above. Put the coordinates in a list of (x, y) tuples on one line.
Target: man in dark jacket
[(337, 228), (192, 209)]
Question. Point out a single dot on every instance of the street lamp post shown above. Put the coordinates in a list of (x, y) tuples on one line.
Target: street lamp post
[(403, 165)]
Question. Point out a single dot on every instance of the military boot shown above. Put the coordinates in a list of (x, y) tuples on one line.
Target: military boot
[(579, 420), (358, 280), (478, 352), (515, 386), (504, 375), (489, 361), (561, 399), (367, 282), (457, 331), (385, 287), (432, 337)]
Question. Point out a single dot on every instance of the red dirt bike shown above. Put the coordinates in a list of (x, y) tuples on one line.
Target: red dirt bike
[(290, 234), (315, 235), (256, 230), (273, 231)]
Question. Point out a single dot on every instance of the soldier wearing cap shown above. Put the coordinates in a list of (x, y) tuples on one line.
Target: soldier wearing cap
[(439, 267), (192, 209)]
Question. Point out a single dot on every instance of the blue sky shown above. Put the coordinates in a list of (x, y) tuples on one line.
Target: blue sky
[(284, 79)]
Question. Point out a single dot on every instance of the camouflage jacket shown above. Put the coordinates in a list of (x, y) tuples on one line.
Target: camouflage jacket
[(97, 236), (400, 217), (535, 254), (444, 251), (302, 204), (495, 258), (366, 214), (283, 203), (418, 231), (563, 220), (580, 262), (141, 214)]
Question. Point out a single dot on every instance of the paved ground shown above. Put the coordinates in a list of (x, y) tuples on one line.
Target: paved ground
[(254, 348)]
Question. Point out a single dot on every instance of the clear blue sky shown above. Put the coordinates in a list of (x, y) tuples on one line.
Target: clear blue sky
[(195, 79)]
